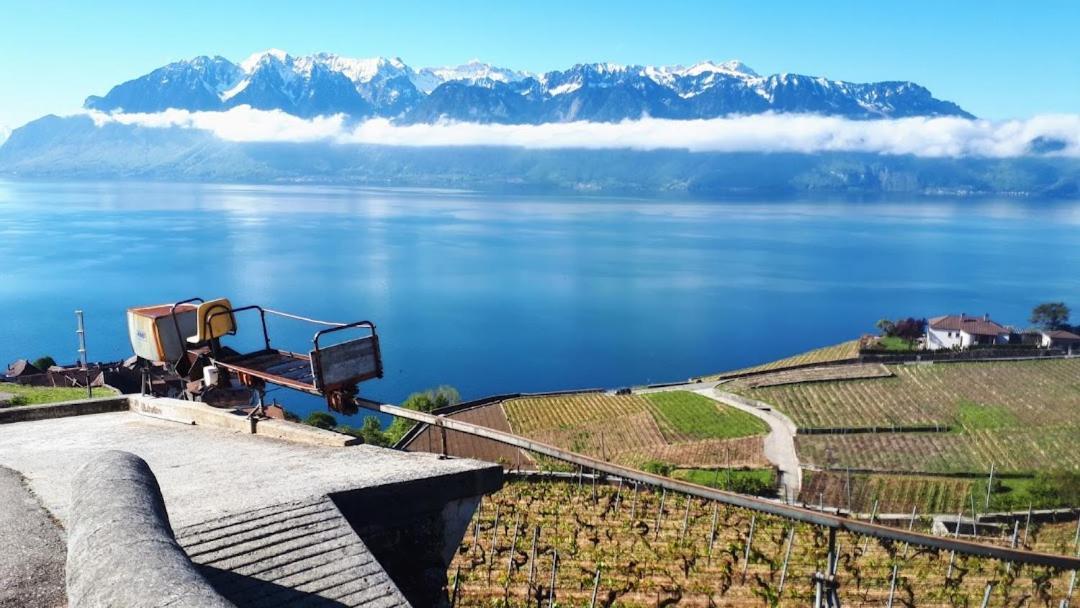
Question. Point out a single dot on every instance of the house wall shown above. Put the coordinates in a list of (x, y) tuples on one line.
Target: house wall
[(941, 340)]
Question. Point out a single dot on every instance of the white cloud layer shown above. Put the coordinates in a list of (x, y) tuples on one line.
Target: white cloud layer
[(932, 137)]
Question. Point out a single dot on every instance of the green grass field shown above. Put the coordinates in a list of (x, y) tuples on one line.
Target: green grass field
[(761, 482), (40, 395), (694, 416)]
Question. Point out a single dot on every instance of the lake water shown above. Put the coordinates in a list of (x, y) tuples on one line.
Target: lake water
[(520, 293)]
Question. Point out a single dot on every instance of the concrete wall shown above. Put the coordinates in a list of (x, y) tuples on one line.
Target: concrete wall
[(121, 549), (413, 528)]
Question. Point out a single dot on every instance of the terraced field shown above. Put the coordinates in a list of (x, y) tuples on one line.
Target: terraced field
[(1035, 393), (1016, 449), (892, 493), (828, 354), (681, 428), (654, 549)]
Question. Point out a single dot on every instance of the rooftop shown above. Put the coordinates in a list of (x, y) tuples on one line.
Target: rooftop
[(977, 326), (215, 473)]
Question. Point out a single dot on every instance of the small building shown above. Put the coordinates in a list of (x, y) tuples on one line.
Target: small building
[(958, 332), (1059, 338), (20, 368)]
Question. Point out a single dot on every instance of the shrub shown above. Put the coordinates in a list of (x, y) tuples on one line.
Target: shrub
[(44, 363), (658, 467), (321, 420)]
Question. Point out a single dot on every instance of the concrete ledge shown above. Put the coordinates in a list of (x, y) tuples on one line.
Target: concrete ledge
[(121, 548), (82, 407), (302, 433), (191, 412)]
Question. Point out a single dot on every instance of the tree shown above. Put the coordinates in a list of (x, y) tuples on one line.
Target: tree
[(424, 401), (321, 420), (910, 329), (886, 327), (371, 432), (44, 363), (1050, 315)]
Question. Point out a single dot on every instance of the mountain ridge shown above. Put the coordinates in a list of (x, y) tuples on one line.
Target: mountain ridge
[(326, 83)]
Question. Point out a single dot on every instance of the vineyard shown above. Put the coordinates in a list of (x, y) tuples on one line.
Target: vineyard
[(890, 493), (1037, 393), (854, 371), (828, 354), (680, 428), (547, 543), (1023, 449)]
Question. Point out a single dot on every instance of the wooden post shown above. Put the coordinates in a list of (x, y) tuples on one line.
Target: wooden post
[(989, 485), (633, 507), (787, 556), (974, 528), (594, 487), (986, 595), (618, 498)]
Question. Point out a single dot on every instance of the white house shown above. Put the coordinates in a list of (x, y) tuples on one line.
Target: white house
[(1059, 338), (961, 331)]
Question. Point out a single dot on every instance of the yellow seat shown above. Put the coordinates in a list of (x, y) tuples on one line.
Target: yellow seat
[(222, 323)]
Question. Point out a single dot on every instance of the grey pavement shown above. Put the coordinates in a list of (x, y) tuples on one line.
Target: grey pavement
[(205, 473), (32, 550)]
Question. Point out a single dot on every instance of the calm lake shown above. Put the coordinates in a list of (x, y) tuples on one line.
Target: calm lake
[(497, 293)]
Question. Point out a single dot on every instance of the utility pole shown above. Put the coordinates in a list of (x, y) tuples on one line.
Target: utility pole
[(80, 331)]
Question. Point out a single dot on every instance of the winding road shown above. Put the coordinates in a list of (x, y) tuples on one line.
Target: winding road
[(779, 443)]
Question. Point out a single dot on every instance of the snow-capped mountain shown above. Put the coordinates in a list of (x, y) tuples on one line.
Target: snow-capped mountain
[(5, 133), (325, 83)]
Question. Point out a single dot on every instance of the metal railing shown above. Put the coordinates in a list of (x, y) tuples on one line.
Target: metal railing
[(791, 512)]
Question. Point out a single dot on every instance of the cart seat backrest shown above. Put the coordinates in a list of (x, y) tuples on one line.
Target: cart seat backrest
[(221, 323)]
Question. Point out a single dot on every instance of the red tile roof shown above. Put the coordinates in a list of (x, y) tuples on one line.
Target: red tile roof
[(1061, 334), (976, 326)]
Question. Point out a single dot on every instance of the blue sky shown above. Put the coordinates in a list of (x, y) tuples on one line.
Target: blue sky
[(996, 59)]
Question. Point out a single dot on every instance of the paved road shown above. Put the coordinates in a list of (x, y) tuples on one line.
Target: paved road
[(779, 443)]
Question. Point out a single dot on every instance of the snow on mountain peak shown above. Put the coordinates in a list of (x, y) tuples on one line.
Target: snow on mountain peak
[(253, 61), (733, 67)]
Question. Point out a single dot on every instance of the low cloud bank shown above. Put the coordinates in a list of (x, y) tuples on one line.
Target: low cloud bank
[(1057, 135)]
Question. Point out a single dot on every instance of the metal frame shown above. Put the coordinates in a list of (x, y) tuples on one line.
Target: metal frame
[(833, 522), (318, 387)]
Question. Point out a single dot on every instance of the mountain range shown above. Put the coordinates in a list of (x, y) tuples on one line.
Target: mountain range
[(324, 84)]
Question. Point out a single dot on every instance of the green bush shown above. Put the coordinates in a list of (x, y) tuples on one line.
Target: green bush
[(321, 420), (658, 467)]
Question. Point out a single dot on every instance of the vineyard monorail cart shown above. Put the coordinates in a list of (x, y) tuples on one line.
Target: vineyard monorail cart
[(187, 337)]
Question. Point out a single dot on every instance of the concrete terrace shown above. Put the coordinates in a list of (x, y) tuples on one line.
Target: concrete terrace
[(287, 509)]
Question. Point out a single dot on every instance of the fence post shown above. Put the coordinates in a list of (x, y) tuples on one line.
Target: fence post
[(749, 541), (595, 588), (554, 567), (686, 518), (712, 534), (660, 513), (787, 556)]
